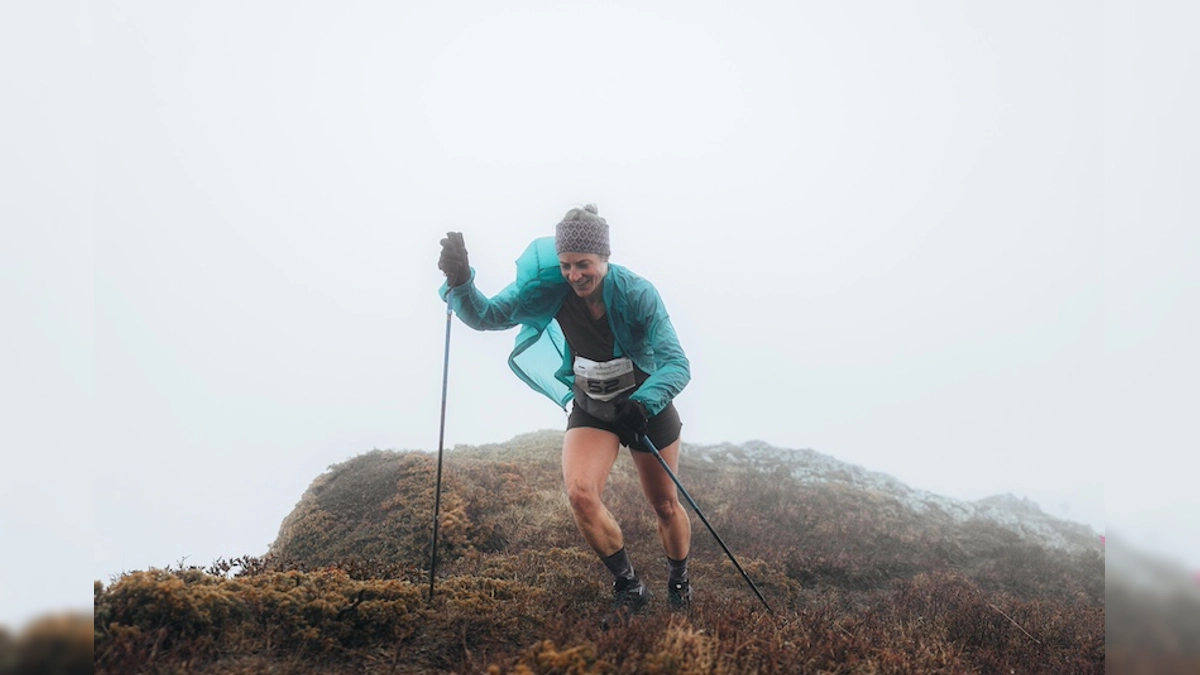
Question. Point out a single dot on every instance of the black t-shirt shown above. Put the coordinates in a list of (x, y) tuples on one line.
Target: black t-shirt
[(590, 338)]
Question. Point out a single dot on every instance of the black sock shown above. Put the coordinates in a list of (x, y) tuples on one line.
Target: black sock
[(619, 564), (678, 569)]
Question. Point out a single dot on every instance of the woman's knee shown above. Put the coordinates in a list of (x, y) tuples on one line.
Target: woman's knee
[(665, 507), (584, 499)]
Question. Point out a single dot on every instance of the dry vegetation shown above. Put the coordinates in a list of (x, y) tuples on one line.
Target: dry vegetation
[(58, 644), (1152, 616), (859, 584)]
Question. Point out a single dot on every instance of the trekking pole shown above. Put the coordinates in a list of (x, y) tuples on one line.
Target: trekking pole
[(437, 492), (688, 497)]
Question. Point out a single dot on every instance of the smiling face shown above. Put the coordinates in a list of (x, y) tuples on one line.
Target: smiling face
[(584, 271)]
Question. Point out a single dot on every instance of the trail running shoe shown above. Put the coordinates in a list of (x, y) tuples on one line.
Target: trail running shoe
[(630, 595), (679, 595)]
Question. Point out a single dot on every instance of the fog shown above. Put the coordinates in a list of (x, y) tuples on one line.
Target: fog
[(926, 240)]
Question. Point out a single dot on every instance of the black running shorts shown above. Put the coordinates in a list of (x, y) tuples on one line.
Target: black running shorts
[(664, 427)]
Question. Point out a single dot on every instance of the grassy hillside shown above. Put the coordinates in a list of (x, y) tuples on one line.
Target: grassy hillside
[(55, 644), (860, 582)]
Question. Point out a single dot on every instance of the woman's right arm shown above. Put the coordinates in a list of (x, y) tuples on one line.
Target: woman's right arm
[(479, 311), (534, 296), (474, 308)]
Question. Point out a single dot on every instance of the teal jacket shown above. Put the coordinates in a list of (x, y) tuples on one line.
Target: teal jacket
[(541, 358)]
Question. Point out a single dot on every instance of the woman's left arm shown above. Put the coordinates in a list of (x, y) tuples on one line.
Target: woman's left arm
[(672, 369)]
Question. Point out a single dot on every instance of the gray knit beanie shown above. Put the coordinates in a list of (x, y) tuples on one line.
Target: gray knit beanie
[(582, 231)]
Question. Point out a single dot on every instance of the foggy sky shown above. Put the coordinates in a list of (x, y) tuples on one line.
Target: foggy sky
[(899, 235)]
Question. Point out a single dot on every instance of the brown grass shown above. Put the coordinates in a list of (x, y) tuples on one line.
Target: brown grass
[(859, 584)]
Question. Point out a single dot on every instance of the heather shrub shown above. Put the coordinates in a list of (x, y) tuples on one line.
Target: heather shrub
[(189, 614), (6, 650), (859, 582), (1153, 619), (55, 643)]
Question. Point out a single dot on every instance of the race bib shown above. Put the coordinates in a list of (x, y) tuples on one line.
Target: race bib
[(604, 381)]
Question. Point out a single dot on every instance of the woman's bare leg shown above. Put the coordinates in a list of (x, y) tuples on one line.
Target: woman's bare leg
[(674, 527), (587, 458)]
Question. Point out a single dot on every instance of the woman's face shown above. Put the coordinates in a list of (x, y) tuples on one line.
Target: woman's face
[(584, 271)]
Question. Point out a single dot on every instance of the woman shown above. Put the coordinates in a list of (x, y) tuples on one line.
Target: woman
[(596, 334)]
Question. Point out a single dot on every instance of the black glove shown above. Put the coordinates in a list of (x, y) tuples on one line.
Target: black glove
[(630, 422), (453, 260)]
